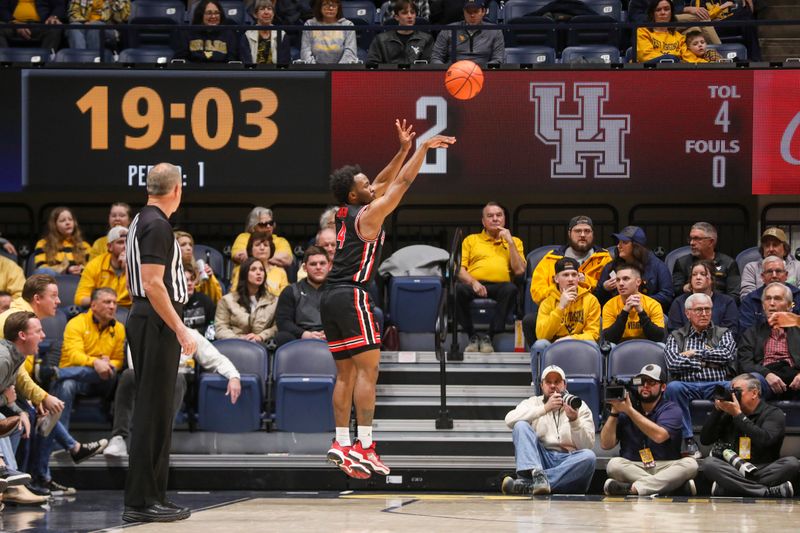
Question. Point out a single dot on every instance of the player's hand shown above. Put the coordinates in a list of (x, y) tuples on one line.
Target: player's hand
[(439, 141), (234, 389), (479, 289), (187, 342), (783, 319), (775, 383), (554, 402), (404, 133), (569, 295)]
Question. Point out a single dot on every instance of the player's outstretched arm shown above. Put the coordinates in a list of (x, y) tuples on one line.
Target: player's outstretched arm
[(371, 220), (405, 135)]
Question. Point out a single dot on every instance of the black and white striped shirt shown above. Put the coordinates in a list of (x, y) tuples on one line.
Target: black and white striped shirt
[(151, 241)]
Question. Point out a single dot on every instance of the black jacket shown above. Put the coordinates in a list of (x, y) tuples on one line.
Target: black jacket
[(388, 48), (765, 427), (727, 278), (752, 343)]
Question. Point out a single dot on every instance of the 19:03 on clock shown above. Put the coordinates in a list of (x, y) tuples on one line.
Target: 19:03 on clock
[(142, 108)]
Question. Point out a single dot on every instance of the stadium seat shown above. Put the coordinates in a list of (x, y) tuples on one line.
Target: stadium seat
[(155, 12), (607, 8), (674, 255), (590, 54), (730, 51), (532, 259), (518, 12), (414, 302), (582, 362), (361, 13), (503, 342), (482, 311), (235, 11), (213, 257), (532, 55), (73, 55), (121, 315), (25, 55), (50, 347), (426, 342), (304, 377), (215, 411), (160, 55), (627, 359), (748, 256), (593, 35), (67, 285)]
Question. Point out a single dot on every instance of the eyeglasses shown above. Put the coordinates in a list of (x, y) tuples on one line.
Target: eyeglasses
[(267, 223), (330, 4), (212, 13), (775, 271), (650, 382), (697, 239), (701, 310)]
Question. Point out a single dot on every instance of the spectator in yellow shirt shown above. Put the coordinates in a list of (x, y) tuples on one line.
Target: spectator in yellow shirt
[(262, 247), (489, 262), (260, 219), (107, 270), (653, 44), (12, 278), (62, 250), (632, 315)]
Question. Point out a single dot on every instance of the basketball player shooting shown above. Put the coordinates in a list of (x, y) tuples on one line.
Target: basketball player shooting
[(347, 318)]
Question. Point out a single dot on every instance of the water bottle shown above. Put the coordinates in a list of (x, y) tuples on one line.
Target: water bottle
[(211, 331)]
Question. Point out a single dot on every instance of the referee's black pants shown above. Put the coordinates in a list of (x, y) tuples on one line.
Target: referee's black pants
[(156, 353)]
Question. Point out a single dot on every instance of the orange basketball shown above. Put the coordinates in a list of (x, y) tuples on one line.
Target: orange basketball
[(464, 79)]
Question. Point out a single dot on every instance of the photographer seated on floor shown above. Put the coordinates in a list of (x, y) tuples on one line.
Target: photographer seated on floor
[(747, 434)]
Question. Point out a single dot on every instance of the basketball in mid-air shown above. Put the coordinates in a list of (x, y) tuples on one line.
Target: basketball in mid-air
[(464, 79)]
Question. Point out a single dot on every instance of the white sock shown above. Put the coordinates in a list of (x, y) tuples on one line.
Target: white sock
[(365, 436), (343, 436)]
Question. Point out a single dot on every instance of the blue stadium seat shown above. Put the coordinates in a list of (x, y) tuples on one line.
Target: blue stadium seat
[(730, 51), (73, 55), (532, 259), (482, 311), (25, 55), (155, 12), (361, 13), (426, 342), (518, 12), (215, 412), (50, 347), (414, 302), (607, 8), (67, 286), (748, 256), (533, 55), (582, 362), (304, 377), (674, 255), (121, 315), (213, 257), (160, 55), (591, 53), (593, 35), (235, 11), (628, 358), (503, 342)]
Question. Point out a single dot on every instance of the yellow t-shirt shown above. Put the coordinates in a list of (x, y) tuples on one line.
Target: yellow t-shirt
[(633, 329), (488, 259), (276, 281), (26, 11), (96, 12)]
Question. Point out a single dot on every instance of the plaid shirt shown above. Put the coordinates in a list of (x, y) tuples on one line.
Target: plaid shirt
[(777, 348), (709, 363)]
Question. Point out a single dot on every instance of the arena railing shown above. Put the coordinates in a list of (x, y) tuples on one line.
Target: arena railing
[(624, 28), (787, 216)]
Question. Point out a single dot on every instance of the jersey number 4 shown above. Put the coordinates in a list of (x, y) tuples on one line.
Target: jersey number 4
[(340, 236)]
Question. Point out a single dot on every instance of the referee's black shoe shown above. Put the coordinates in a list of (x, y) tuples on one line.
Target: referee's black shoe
[(154, 513), (184, 511)]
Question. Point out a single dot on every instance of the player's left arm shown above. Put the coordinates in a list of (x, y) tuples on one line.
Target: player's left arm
[(388, 174), (369, 223)]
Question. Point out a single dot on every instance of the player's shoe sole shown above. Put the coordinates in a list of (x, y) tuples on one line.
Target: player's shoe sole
[(367, 460), (347, 465)]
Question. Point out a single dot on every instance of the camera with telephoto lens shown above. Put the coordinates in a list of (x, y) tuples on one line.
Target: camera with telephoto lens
[(724, 451), (571, 400), (725, 394), (616, 389)]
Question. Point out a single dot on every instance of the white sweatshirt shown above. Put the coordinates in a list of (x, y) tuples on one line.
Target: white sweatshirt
[(554, 429)]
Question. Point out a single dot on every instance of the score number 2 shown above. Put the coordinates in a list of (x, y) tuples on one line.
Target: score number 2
[(439, 105)]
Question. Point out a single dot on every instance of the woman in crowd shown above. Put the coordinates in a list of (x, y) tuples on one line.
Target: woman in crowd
[(206, 282), (264, 47), (212, 44), (62, 250), (654, 44), (261, 246), (249, 311), (328, 46), (120, 215), (725, 312), (261, 219), (631, 250)]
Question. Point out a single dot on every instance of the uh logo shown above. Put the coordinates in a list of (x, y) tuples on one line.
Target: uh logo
[(589, 135)]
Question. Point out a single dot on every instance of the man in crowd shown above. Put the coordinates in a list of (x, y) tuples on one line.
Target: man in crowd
[(700, 356), (569, 312), (552, 441), (297, 314), (773, 242), (631, 314), (198, 313), (752, 429), (772, 353), (648, 431), (489, 262), (773, 271), (703, 243), (475, 41), (106, 270), (401, 45)]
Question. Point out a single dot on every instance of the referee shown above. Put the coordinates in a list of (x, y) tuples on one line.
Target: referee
[(156, 336)]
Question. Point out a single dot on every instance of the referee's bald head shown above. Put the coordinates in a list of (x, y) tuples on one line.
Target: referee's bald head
[(162, 179)]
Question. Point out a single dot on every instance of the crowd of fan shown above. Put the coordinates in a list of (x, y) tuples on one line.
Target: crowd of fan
[(476, 39)]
